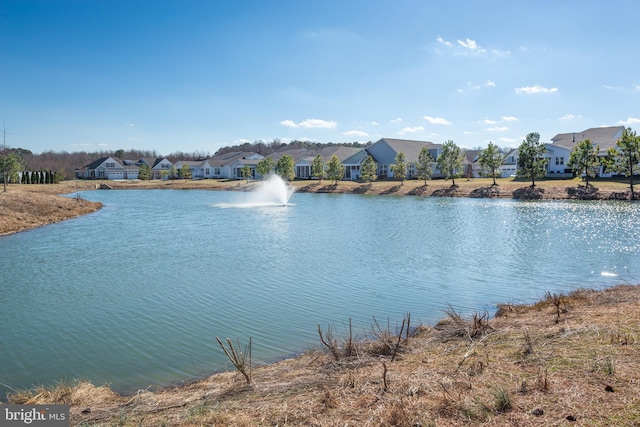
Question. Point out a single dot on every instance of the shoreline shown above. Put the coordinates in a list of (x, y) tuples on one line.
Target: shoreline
[(530, 364), (28, 206)]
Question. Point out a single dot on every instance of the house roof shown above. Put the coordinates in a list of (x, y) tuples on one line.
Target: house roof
[(98, 162), (341, 152), (410, 148), (228, 158), (605, 137), (153, 161)]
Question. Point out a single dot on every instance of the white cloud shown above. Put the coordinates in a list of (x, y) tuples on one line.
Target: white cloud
[(489, 83), (488, 122), (129, 125), (374, 123), (355, 133), (398, 120), (411, 130), (468, 43), (570, 117), (629, 121), (509, 119), (497, 129), (437, 120), (535, 89), (508, 140), (444, 42), (310, 124), (637, 87)]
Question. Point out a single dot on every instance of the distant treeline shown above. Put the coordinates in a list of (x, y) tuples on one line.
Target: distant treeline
[(265, 148)]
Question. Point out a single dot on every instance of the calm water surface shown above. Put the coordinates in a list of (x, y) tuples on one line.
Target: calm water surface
[(135, 294)]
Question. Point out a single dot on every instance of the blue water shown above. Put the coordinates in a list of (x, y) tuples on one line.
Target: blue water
[(135, 294)]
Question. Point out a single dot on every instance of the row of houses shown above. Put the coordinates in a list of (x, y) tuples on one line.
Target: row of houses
[(383, 152)]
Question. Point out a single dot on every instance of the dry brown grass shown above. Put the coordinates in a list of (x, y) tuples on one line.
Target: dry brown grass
[(524, 369)]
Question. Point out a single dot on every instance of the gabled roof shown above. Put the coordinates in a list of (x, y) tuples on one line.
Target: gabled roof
[(228, 158), (356, 158), (605, 137), (97, 163), (152, 161), (410, 148), (341, 152)]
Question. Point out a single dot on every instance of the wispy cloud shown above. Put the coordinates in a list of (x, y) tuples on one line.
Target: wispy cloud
[(629, 121), (310, 124), (497, 129), (570, 117), (469, 44), (535, 89), (444, 42), (502, 120), (398, 120), (489, 83), (355, 133), (437, 120), (129, 125), (469, 47), (410, 130)]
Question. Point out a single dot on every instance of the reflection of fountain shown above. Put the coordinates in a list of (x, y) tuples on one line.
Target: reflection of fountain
[(273, 191)]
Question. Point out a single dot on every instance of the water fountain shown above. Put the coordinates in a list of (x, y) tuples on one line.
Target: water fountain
[(273, 191)]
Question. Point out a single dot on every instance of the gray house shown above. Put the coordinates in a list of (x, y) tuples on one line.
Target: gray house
[(384, 153)]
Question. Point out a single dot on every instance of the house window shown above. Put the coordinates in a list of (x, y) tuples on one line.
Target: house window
[(383, 171), (412, 170), (559, 160), (206, 171), (216, 171), (110, 165)]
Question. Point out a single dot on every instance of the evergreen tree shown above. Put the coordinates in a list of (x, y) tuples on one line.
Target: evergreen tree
[(11, 163), (335, 169), (584, 159), (265, 167), (317, 168), (450, 161), (423, 167), (624, 158), (145, 172), (368, 171), (284, 168), (246, 172), (185, 171), (490, 160), (531, 163), (399, 168)]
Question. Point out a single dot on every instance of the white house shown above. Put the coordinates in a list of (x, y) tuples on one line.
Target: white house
[(108, 168), (562, 144)]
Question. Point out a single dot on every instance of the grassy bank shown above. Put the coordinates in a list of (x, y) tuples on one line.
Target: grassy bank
[(565, 360)]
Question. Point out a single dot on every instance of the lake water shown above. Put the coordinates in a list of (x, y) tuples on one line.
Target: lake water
[(135, 294)]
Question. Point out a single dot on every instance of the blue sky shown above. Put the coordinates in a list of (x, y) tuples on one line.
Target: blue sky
[(196, 75)]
